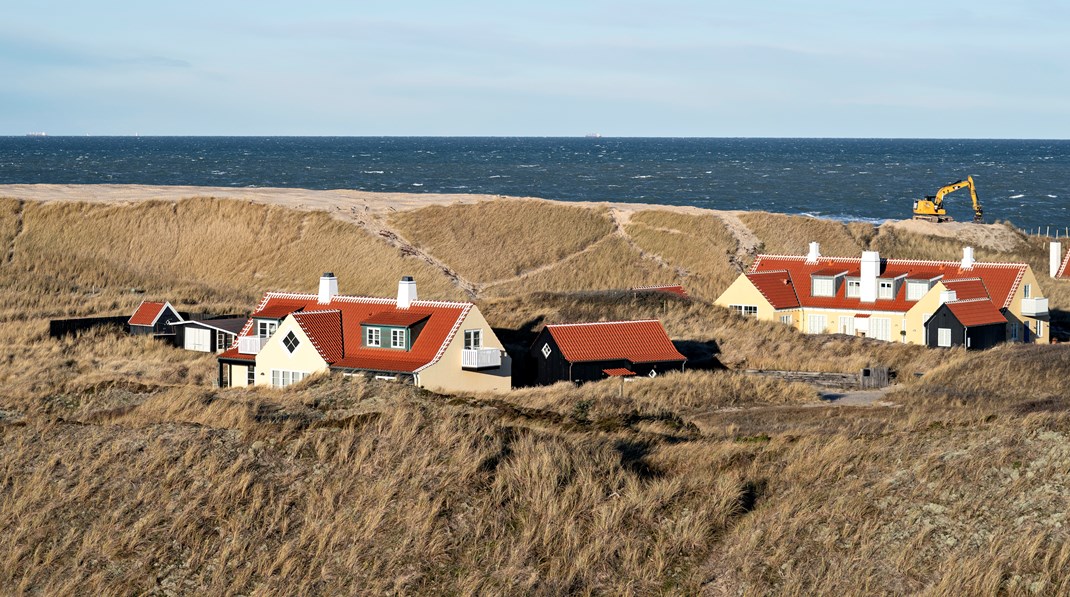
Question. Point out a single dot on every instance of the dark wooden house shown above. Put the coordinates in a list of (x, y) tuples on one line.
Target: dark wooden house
[(156, 319), (209, 335), (974, 323), (581, 352)]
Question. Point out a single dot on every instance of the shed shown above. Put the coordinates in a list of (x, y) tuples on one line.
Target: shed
[(581, 352), (974, 323), (209, 335), (154, 318)]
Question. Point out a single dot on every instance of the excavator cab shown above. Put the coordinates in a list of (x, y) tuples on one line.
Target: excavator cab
[(931, 208)]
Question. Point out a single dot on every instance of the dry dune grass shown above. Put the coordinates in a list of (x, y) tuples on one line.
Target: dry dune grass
[(495, 240), (791, 235), (700, 245), (611, 263), (122, 471)]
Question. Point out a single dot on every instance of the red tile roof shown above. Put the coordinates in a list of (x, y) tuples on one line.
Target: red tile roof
[(279, 310), (975, 312), (324, 329), (147, 313), (834, 271), (396, 318), (776, 287), (618, 372), (967, 288), (678, 290), (634, 341), (443, 320), (1000, 279)]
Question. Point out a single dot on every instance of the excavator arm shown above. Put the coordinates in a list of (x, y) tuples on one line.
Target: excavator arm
[(932, 208)]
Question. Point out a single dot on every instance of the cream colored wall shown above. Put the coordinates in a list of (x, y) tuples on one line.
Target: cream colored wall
[(239, 375), (832, 320), (1016, 305), (915, 316), (743, 292), (447, 375), (273, 355)]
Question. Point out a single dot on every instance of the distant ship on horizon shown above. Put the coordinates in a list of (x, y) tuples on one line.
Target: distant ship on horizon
[(36, 134)]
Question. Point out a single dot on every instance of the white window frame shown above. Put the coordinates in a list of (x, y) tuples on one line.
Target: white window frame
[(745, 310), (822, 286), (280, 378), (943, 337), (1027, 290), (1040, 329), (265, 325), (854, 288), (373, 337), (221, 341), (1014, 332), (886, 285), (916, 289), (787, 319), (816, 324), (397, 338), (846, 325), (250, 375), (882, 324), (473, 339), (546, 350)]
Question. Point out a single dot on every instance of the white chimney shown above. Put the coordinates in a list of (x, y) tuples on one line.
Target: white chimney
[(814, 254), (328, 287), (967, 258), (406, 292), (948, 296), (1055, 258), (871, 270)]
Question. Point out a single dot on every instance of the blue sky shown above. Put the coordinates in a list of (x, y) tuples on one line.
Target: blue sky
[(628, 68)]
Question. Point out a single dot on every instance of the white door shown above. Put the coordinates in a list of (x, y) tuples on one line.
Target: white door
[(880, 328), (816, 324), (198, 339), (847, 325)]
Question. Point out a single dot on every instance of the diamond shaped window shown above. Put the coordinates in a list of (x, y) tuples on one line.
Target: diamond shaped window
[(291, 342)]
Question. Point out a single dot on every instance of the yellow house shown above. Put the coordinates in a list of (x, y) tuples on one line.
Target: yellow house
[(894, 299), (438, 345)]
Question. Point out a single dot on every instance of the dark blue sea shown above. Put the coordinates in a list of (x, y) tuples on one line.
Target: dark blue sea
[(1025, 182)]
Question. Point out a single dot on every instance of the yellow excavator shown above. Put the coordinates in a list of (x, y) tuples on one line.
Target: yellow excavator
[(931, 208)]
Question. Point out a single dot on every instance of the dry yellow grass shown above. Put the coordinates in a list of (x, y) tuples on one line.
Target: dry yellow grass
[(700, 246), (496, 240), (791, 235), (122, 471)]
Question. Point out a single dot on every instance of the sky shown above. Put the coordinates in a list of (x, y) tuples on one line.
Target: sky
[(817, 68)]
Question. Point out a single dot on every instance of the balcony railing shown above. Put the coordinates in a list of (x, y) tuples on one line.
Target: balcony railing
[(1032, 307), (481, 358), (251, 344)]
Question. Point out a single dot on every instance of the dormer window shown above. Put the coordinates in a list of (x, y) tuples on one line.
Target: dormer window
[(917, 289), (291, 342), (266, 327), (824, 286), (397, 338), (373, 337), (854, 288), (885, 289), (473, 339)]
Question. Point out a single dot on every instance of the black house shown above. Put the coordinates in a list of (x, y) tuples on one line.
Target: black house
[(580, 352), (974, 323), (208, 335), (155, 319)]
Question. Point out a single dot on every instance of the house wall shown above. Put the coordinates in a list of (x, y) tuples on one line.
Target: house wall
[(447, 374), (743, 292), (238, 375), (1015, 309), (980, 337), (273, 355), (832, 320), (927, 304)]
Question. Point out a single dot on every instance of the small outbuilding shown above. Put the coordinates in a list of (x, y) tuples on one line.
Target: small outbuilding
[(974, 323), (155, 319), (581, 352), (209, 335)]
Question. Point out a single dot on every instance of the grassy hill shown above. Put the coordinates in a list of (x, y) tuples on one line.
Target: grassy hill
[(122, 470)]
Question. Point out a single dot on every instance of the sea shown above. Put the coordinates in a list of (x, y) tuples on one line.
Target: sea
[(1025, 182)]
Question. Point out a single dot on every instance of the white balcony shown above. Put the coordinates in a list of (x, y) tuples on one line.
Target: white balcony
[(251, 344), (1033, 307), (481, 358)]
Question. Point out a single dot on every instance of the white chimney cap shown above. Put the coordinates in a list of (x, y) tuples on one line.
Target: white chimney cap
[(948, 296), (328, 288), (814, 254), (406, 292)]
